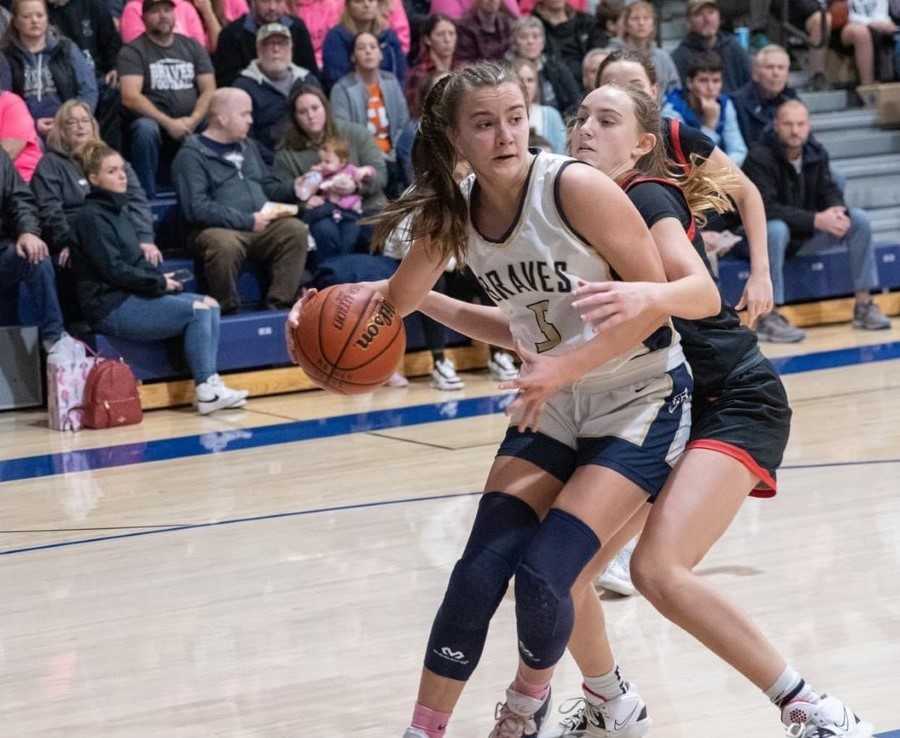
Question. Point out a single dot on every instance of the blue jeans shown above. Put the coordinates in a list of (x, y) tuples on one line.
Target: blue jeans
[(333, 238), (857, 241), (40, 281), (157, 318), (146, 142)]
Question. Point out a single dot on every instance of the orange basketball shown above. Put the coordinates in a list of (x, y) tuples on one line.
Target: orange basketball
[(349, 339)]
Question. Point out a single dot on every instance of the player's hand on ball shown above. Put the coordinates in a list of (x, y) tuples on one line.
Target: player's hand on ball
[(604, 305), (293, 320), (539, 378)]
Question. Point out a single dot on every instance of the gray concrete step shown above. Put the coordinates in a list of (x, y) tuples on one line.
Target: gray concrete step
[(844, 120), (874, 192), (868, 166), (842, 144), (826, 102), (885, 224)]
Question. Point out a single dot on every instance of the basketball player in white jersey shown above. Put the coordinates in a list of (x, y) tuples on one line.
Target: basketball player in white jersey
[(604, 417)]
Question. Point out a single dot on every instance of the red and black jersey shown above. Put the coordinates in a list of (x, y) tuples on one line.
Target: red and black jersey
[(713, 346)]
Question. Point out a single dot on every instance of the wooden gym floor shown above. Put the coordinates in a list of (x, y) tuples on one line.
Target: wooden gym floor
[(273, 572)]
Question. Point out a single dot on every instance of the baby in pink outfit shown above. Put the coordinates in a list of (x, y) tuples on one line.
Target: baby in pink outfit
[(317, 186)]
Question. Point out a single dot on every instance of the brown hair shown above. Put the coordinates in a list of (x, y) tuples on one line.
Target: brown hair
[(635, 56), (295, 138), (378, 25), (12, 34), (439, 211), (340, 147), (520, 61), (56, 139), (703, 189), (639, 5), (93, 155)]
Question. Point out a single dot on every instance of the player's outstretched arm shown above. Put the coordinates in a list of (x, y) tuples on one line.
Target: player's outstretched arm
[(479, 322)]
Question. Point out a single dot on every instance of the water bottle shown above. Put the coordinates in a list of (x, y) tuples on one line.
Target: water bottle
[(743, 37)]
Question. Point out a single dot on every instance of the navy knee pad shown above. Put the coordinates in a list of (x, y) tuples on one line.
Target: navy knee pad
[(545, 614), (503, 528)]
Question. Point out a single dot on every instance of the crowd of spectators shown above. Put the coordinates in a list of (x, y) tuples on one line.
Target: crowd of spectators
[(243, 108)]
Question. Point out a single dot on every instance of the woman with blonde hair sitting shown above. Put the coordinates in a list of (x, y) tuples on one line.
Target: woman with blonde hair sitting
[(60, 186)]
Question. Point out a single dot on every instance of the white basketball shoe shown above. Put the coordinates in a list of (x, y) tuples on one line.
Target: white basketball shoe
[(622, 717), (827, 718)]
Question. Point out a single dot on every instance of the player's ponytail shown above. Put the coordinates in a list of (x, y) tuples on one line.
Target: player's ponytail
[(704, 188), (437, 206)]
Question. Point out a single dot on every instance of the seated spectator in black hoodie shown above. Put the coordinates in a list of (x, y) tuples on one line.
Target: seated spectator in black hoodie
[(24, 257), (237, 42), (705, 34), (570, 34), (90, 25), (223, 186), (269, 80), (122, 294)]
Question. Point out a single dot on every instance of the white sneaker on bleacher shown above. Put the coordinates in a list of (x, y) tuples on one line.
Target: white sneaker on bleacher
[(213, 395), (502, 367), (444, 376)]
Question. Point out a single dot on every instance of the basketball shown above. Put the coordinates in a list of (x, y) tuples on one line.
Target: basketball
[(349, 339)]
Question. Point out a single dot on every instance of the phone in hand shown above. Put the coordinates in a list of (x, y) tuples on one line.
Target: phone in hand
[(182, 275)]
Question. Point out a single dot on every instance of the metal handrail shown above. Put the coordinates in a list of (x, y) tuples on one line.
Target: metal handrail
[(801, 32)]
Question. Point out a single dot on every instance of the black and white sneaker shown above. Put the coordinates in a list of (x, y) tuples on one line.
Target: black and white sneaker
[(444, 376), (622, 717), (213, 395), (827, 718)]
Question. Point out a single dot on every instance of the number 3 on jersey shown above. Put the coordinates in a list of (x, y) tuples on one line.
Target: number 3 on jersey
[(551, 334)]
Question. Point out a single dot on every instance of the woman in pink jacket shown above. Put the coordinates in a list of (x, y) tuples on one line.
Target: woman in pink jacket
[(456, 9), (320, 16), (195, 19)]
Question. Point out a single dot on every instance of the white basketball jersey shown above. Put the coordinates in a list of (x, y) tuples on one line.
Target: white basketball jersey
[(531, 273)]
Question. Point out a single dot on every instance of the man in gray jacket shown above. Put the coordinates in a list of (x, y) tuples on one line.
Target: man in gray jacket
[(225, 193)]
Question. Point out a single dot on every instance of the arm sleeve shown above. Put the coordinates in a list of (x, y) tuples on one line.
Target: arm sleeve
[(759, 170), (304, 54), (831, 194), (198, 208), (139, 208), (370, 155), (340, 103), (735, 146), (84, 75), (18, 201), (47, 188), (130, 63), (335, 59), (400, 23), (108, 36), (655, 202), (226, 61), (98, 244), (202, 63)]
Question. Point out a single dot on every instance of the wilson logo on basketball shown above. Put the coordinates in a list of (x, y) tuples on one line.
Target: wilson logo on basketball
[(344, 303), (383, 318)]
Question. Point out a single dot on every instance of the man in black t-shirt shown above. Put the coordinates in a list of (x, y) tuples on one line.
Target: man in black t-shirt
[(167, 84)]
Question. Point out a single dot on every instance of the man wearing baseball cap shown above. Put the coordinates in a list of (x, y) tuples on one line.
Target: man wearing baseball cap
[(705, 34), (269, 80), (237, 43)]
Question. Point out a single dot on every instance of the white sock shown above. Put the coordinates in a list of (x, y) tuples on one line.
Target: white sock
[(604, 688), (791, 687)]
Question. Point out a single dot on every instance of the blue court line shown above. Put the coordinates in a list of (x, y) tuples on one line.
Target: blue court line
[(235, 521), (316, 511), (891, 734), (166, 449)]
